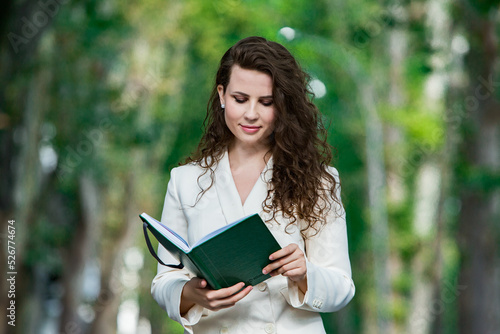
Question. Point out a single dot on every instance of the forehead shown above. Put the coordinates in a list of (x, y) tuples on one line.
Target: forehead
[(250, 81)]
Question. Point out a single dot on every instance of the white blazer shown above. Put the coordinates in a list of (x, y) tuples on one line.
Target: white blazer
[(275, 305)]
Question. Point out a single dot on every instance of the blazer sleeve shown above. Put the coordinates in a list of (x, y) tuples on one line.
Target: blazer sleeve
[(168, 283), (329, 283)]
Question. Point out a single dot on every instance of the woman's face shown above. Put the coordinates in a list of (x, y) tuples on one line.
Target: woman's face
[(249, 108)]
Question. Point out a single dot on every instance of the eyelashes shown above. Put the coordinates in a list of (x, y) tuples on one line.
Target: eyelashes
[(241, 100)]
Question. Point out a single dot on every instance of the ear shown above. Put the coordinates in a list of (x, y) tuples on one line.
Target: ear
[(220, 90)]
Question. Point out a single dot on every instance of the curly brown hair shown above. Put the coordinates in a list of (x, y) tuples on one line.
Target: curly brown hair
[(301, 186)]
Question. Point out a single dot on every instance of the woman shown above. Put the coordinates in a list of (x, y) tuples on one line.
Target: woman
[(263, 151)]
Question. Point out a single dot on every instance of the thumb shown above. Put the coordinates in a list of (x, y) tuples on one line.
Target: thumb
[(200, 283)]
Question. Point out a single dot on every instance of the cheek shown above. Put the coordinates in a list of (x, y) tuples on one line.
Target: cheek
[(271, 117), (231, 117), (229, 114)]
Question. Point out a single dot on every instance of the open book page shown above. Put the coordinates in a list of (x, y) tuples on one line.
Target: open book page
[(168, 233), (218, 231)]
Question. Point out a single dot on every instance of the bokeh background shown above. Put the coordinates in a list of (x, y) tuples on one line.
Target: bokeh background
[(100, 99)]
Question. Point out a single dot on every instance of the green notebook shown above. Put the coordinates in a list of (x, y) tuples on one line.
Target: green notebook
[(235, 253)]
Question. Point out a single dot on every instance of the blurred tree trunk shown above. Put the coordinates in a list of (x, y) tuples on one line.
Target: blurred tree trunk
[(376, 168), (28, 180), (479, 302), (376, 176), (429, 196), (397, 40), (169, 150), (81, 249), (117, 234), (397, 192), (377, 206), (421, 315), (21, 177)]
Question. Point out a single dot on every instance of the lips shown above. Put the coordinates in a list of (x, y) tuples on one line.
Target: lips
[(250, 128)]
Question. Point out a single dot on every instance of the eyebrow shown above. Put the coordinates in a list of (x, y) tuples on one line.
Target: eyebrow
[(246, 95)]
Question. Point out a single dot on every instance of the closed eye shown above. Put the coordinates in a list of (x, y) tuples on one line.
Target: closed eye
[(240, 99)]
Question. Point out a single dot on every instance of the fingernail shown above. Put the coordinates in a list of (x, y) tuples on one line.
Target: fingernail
[(264, 271), (271, 258)]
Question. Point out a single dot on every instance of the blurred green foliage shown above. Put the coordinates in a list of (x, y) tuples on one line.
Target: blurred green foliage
[(120, 89)]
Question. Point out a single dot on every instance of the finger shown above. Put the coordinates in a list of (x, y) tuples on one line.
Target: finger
[(243, 293), (198, 283), (227, 292), (287, 267), (295, 274), (271, 268), (240, 295), (293, 266), (279, 263), (232, 300), (283, 252), (217, 304)]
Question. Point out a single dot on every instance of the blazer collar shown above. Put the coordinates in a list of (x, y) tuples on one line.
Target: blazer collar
[(229, 197)]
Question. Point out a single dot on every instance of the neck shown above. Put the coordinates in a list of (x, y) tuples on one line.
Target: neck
[(241, 155)]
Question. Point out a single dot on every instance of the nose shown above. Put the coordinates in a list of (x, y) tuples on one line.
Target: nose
[(252, 113)]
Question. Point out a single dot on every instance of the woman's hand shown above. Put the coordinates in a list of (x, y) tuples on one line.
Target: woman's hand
[(196, 291), (289, 261)]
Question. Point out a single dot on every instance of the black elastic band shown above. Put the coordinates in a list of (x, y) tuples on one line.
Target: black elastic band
[(152, 251)]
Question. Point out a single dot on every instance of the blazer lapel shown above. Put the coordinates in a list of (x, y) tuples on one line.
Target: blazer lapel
[(253, 203), (229, 197), (226, 191)]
